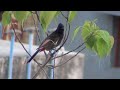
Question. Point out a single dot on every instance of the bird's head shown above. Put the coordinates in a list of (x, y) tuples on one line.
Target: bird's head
[(60, 28)]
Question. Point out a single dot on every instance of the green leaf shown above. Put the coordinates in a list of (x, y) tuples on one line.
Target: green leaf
[(111, 43), (100, 42), (28, 14), (46, 17), (75, 32), (91, 42), (104, 35), (71, 16), (57, 13), (21, 15), (101, 47), (88, 28), (6, 18)]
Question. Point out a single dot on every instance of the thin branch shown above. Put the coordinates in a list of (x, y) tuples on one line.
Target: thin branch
[(21, 43), (44, 72), (75, 48), (24, 47), (36, 29), (64, 40), (70, 58), (64, 15), (72, 51), (41, 25), (48, 59)]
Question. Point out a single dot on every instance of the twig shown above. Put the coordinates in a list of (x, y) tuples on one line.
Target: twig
[(65, 39), (24, 47), (21, 43), (64, 15), (75, 48), (41, 25), (36, 29), (48, 59), (70, 58), (72, 51)]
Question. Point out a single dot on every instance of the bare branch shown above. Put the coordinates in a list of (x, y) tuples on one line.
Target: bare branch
[(70, 58), (48, 59), (76, 47), (25, 48), (64, 16), (41, 25), (36, 29)]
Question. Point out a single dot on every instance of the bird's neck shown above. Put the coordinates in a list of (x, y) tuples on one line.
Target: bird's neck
[(60, 31)]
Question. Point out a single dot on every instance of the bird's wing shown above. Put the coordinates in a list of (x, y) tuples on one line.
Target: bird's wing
[(47, 41)]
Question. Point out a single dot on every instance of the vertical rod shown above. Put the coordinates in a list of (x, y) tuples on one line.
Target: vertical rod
[(10, 64), (0, 30), (30, 51), (51, 71)]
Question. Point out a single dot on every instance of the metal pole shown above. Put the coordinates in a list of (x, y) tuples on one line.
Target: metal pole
[(10, 64), (30, 51), (0, 30), (51, 71)]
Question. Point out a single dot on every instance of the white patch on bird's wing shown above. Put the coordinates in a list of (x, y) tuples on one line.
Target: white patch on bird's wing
[(47, 41), (55, 43)]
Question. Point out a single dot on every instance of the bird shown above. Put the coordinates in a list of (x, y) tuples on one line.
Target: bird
[(51, 41)]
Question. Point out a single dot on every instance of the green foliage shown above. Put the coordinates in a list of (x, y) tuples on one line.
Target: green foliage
[(21, 16), (75, 33), (46, 17), (6, 18), (71, 16), (88, 28), (96, 39)]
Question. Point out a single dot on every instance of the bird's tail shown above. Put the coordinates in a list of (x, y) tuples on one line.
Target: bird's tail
[(33, 56)]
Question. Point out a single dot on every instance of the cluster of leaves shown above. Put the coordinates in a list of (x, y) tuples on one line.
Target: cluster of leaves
[(100, 42), (21, 16)]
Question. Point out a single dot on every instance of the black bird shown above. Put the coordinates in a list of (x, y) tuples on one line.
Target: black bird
[(51, 41)]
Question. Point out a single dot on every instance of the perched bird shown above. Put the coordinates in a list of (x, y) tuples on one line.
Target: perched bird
[(51, 41)]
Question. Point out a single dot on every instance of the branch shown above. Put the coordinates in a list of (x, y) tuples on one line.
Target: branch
[(36, 29), (72, 51), (25, 48), (48, 59), (65, 39), (41, 25), (64, 16), (69, 59), (75, 48)]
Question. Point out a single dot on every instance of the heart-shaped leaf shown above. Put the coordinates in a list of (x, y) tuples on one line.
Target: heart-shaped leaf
[(46, 17)]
